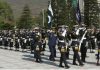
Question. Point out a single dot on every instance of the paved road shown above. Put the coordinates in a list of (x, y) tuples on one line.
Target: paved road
[(24, 60)]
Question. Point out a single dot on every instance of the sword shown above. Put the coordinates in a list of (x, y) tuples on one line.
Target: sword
[(82, 39)]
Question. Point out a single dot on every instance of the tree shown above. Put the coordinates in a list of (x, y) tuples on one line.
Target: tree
[(64, 13), (91, 12), (71, 6), (26, 20), (61, 13), (54, 4), (6, 16), (38, 20)]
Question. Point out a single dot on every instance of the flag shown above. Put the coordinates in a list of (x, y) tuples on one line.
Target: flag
[(75, 4), (78, 13), (50, 14)]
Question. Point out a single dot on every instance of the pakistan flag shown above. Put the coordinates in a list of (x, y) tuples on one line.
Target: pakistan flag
[(74, 3)]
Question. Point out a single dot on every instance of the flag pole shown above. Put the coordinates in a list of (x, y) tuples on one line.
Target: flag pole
[(43, 16)]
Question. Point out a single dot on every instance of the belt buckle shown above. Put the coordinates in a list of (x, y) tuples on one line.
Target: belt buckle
[(37, 48), (76, 48), (62, 50)]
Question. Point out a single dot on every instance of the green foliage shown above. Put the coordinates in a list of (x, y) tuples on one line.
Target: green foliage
[(26, 20), (6, 26), (60, 12), (91, 13), (71, 14), (6, 16), (38, 21), (64, 13)]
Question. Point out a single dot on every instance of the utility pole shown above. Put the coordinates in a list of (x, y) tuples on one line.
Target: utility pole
[(43, 16)]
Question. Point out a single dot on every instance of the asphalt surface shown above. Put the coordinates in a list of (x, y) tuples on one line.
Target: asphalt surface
[(10, 59)]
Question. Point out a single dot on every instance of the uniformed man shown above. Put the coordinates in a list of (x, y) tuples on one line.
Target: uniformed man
[(62, 46), (88, 36), (75, 45), (32, 42), (17, 40), (98, 44), (52, 44), (24, 40), (68, 38), (1, 39), (43, 40), (92, 47), (83, 41), (38, 45), (11, 40), (28, 39), (5, 39)]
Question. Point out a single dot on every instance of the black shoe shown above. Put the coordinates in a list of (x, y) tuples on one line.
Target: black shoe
[(52, 59), (75, 64), (41, 61), (5, 48), (67, 57), (61, 66), (43, 49), (42, 53), (37, 61), (10, 49), (98, 64), (67, 67), (83, 61), (81, 64), (32, 52), (17, 50)]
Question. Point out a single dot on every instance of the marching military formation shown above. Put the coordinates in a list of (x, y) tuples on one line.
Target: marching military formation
[(80, 39)]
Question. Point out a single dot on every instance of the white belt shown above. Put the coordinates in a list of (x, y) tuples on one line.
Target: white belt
[(23, 38), (0, 39), (84, 38), (29, 39), (74, 40), (98, 41), (18, 40), (61, 41), (11, 40), (25, 41), (92, 36)]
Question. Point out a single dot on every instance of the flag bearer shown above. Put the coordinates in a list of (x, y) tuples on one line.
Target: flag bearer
[(83, 41), (62, 47), (75, 45)]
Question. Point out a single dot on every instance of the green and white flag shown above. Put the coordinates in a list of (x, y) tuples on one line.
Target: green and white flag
[(50, 14), (74, 3)]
